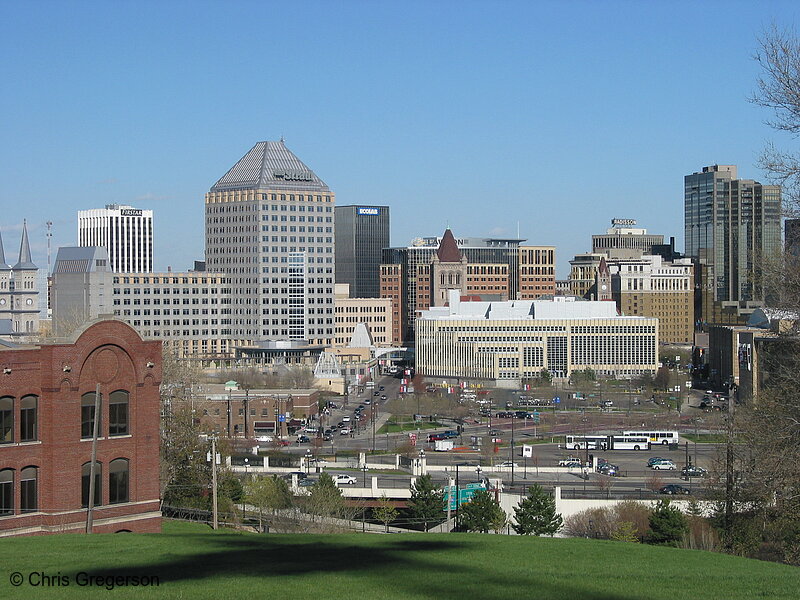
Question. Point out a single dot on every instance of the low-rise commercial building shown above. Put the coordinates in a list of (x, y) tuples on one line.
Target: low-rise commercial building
[(516, 340), (47, 420)]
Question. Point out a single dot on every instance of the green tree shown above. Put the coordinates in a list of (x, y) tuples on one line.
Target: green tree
[(385, 512), (325, 498), (536, 514), (426, 501), (667, 525), (625, 532), (482, 513), (267, 494)]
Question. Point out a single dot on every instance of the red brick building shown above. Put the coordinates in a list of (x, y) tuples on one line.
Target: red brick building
[(47, 400)]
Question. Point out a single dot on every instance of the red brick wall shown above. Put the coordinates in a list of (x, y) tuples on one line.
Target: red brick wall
[(109, 353)]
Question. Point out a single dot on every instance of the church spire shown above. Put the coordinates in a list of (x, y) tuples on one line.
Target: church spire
[(3, 264), (25, 261)]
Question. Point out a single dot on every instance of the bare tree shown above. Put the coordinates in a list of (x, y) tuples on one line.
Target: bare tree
[(779, 91)]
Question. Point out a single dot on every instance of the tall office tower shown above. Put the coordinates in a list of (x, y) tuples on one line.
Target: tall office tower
[(269, 227), (731, 226), (19, 294), (362, 232), (792, 237), (125, 232)]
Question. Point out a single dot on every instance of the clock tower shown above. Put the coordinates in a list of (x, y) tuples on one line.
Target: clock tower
[(603, 281)]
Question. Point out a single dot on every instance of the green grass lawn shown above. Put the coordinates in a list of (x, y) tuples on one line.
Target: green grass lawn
[(191, 562), (393, 427), (706, 438)]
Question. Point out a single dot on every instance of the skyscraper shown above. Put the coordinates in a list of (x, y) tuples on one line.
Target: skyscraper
[(731, 226), (125, 232), (269, 227), (362, 232)]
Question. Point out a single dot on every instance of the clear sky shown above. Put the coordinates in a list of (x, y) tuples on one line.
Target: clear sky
[(551, 116)]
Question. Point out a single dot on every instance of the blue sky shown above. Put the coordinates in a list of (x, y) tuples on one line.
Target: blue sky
[(555, 115)]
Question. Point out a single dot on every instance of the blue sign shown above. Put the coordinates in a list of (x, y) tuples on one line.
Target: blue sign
[(557, 400), (281, 418), (361, 210)]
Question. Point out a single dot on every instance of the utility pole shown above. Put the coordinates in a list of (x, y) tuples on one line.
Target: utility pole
[(215, 523), (729, 470), (93, 469)]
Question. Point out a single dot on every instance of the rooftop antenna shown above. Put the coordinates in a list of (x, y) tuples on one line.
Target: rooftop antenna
[(49, 235)]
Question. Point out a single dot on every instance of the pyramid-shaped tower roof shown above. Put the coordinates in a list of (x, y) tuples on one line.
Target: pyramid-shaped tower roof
[(4, 266), (448, 251), (24, 261), (603, 269), (270, 165)]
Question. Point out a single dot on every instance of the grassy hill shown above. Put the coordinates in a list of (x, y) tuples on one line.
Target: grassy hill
[(191, 561)]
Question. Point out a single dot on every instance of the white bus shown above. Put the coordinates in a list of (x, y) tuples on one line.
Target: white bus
[(606, 442), (655, 436), (585, 442), (628, 442)]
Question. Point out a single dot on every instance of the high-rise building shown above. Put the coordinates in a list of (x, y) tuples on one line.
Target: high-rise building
[(124, 231), (362, 232), (270, 228), (625, 240), (492, 268), (731, 226), (19, 294)]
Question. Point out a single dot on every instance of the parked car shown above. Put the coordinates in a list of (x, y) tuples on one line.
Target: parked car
[(311, 430), (264, 439), (382, 388), (367, 401), (344, 480), (300, 475), (383, 397), (664, 465), (303, 439), (693, 471), (327, 437), (435, 437), (341, 424), (345, 419), (376, 394), (608, 469), (344, 431), (570, 462), (508, 464), (306, 482), (673, 488), (450, 433)]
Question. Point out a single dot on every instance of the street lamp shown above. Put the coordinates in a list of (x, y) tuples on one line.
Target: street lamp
[(308, 458), (246, 466), (364, 469)]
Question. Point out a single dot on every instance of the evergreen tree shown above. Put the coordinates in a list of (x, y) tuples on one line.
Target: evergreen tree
[(325, 498), (427, 502), (667, 525), (536, 514), (482, 513)]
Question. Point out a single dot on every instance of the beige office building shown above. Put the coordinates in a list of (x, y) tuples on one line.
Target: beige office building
[(517, 340), (651, 287), (375, 313)]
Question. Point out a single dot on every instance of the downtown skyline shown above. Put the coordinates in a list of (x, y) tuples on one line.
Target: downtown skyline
[(450, 114)]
